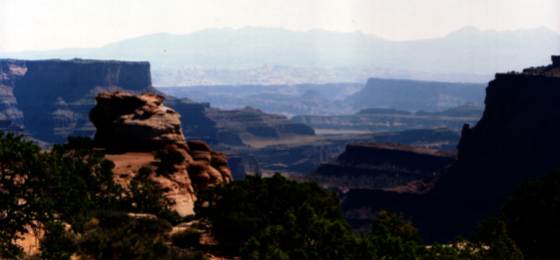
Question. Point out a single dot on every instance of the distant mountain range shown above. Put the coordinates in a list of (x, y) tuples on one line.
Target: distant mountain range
[(278, 56)]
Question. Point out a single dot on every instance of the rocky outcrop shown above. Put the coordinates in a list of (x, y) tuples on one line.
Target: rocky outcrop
[(125, 121), (374, 165), (208, 167), (516, 140), (138, 130)]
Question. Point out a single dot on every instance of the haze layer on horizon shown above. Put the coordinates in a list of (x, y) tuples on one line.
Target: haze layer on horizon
[(48, 24)]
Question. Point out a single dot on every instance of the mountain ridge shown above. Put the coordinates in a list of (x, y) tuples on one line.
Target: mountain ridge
[(231, 56)]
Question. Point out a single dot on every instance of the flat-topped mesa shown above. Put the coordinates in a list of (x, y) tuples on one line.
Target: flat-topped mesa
[(50, 99), (82, 74), (381, 166), (128, 122)]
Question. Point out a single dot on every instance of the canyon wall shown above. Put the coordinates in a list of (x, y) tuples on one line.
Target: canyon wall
[(53, 97)]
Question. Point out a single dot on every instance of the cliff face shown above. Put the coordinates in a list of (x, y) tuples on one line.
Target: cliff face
[(138, 130), (516, 140), (370, 166), (129, 122), (51, 98)]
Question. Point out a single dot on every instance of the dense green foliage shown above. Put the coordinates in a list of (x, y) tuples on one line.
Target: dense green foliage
[(274, 218), (19, 161), (72, 185), (69, 191)]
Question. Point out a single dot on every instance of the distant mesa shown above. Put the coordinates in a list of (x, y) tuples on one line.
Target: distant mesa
[(516, 140), (50, 99), (415, 95), (381, 166)]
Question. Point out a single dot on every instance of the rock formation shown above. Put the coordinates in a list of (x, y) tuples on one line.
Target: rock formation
[(130, 122), (138, 130), (373, 165), (516, 140)]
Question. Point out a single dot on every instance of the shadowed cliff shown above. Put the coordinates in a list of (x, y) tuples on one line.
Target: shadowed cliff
[(515, 141)]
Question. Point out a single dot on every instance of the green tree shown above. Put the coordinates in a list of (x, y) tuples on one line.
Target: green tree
[(394, 237), (57, 242), (20, 173), (274, 218)]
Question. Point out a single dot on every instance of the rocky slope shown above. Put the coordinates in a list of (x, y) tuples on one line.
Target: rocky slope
[(515, 141), (50, 100), (138, 130), (375, 165)]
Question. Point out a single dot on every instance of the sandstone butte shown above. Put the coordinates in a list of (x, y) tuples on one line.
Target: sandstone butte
[(133, 128)]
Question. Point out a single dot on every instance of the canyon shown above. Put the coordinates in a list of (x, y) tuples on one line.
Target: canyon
[(49, 100), (514, 142)]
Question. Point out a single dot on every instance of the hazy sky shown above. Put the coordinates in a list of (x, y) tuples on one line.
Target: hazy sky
[(50, 24)]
